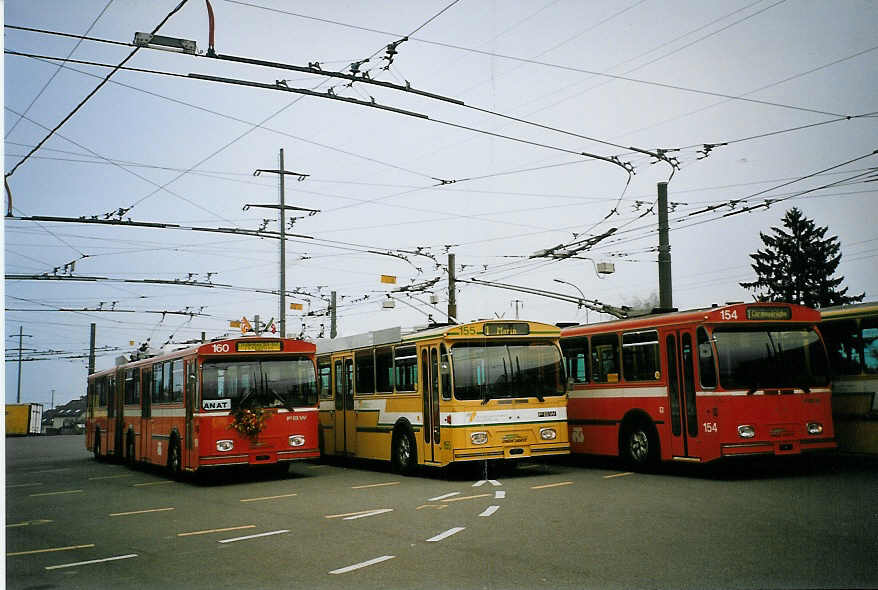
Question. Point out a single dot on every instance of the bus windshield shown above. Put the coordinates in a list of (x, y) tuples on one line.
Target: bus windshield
[(501, 370), (757, 358), (267, 383)]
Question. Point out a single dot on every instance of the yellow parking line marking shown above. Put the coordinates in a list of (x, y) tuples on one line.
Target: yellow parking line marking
[(23, 485), (552, 485), (53, 549), (619, 475), (466, 498), (376, 485), (110, 476), (268, 498), (153, 483), (56, 493), (231, 528), (436, 506), (141, 511), (28, 523)]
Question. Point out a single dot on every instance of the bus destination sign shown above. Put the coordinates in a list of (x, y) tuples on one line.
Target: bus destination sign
[(507, 329), (263, 346), (769, 313)]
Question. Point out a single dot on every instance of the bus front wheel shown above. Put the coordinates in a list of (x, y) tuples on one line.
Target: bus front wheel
[(404, 454)]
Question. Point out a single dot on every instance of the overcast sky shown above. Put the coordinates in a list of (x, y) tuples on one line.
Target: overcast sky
[(595, 88)]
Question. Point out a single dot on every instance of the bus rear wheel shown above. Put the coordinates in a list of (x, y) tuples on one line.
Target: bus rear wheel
[(404, 454), (175, 459), (129, 450), (639, 446)]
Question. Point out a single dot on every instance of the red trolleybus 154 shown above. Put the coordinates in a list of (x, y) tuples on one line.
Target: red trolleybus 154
[(700, 385), (242, 401)]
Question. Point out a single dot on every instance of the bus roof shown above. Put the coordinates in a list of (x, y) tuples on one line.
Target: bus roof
[(397, 335), (849, 311), (756, 312), (290, 345)]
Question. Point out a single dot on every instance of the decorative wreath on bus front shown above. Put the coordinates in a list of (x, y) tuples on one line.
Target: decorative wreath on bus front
[(247, 421)]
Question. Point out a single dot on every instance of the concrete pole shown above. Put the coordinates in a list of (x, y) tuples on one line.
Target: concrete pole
[(666, 296), (20, 336), (91, 351), (283, 252), (332, 325), (452, 290)]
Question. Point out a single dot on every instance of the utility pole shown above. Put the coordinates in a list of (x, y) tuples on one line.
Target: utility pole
[(332, 325), (21, 335), (282, 172), (283, 251), (666, 297), (91, 351), (53, 400), (452, 289)]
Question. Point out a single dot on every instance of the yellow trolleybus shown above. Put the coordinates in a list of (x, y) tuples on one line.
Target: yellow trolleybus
[(851, 335), (483, 390)]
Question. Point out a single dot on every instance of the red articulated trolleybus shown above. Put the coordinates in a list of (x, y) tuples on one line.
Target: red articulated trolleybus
[(240, 401), (699, 385)]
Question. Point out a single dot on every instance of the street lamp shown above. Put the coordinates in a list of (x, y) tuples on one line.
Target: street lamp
[(581, 294)]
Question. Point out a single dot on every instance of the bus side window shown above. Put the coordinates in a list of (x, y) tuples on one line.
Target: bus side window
[(405, 368), (843, 345), (365, 369), (157, 383), (324, 376), (576, 359), (384, 370), (870, 345), (706, 364), (445, 371), (605, 358), (176, 391), (640, 356)]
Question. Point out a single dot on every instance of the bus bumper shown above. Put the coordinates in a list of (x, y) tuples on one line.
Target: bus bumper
[(513, 452), (786, 447)]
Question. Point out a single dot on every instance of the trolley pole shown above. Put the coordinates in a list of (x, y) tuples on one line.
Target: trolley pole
[(452, 289), (666, 297)]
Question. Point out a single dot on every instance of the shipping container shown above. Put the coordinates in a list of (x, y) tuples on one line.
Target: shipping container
[(23, 419)]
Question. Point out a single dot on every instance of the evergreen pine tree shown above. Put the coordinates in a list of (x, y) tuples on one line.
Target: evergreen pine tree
[(797, 266)]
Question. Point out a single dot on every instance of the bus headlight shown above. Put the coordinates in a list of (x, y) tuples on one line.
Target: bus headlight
[(548, 434), (224, 445), (297, 440), (746, 431), (815, 428), (479, 438)]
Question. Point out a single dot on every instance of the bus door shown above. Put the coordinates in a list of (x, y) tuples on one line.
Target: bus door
[(345, 420), (430, 399), (190, 395), (117, 415), (680, 350)]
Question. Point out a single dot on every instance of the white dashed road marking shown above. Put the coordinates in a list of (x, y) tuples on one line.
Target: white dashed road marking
[(446, 534), (357, 566)]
